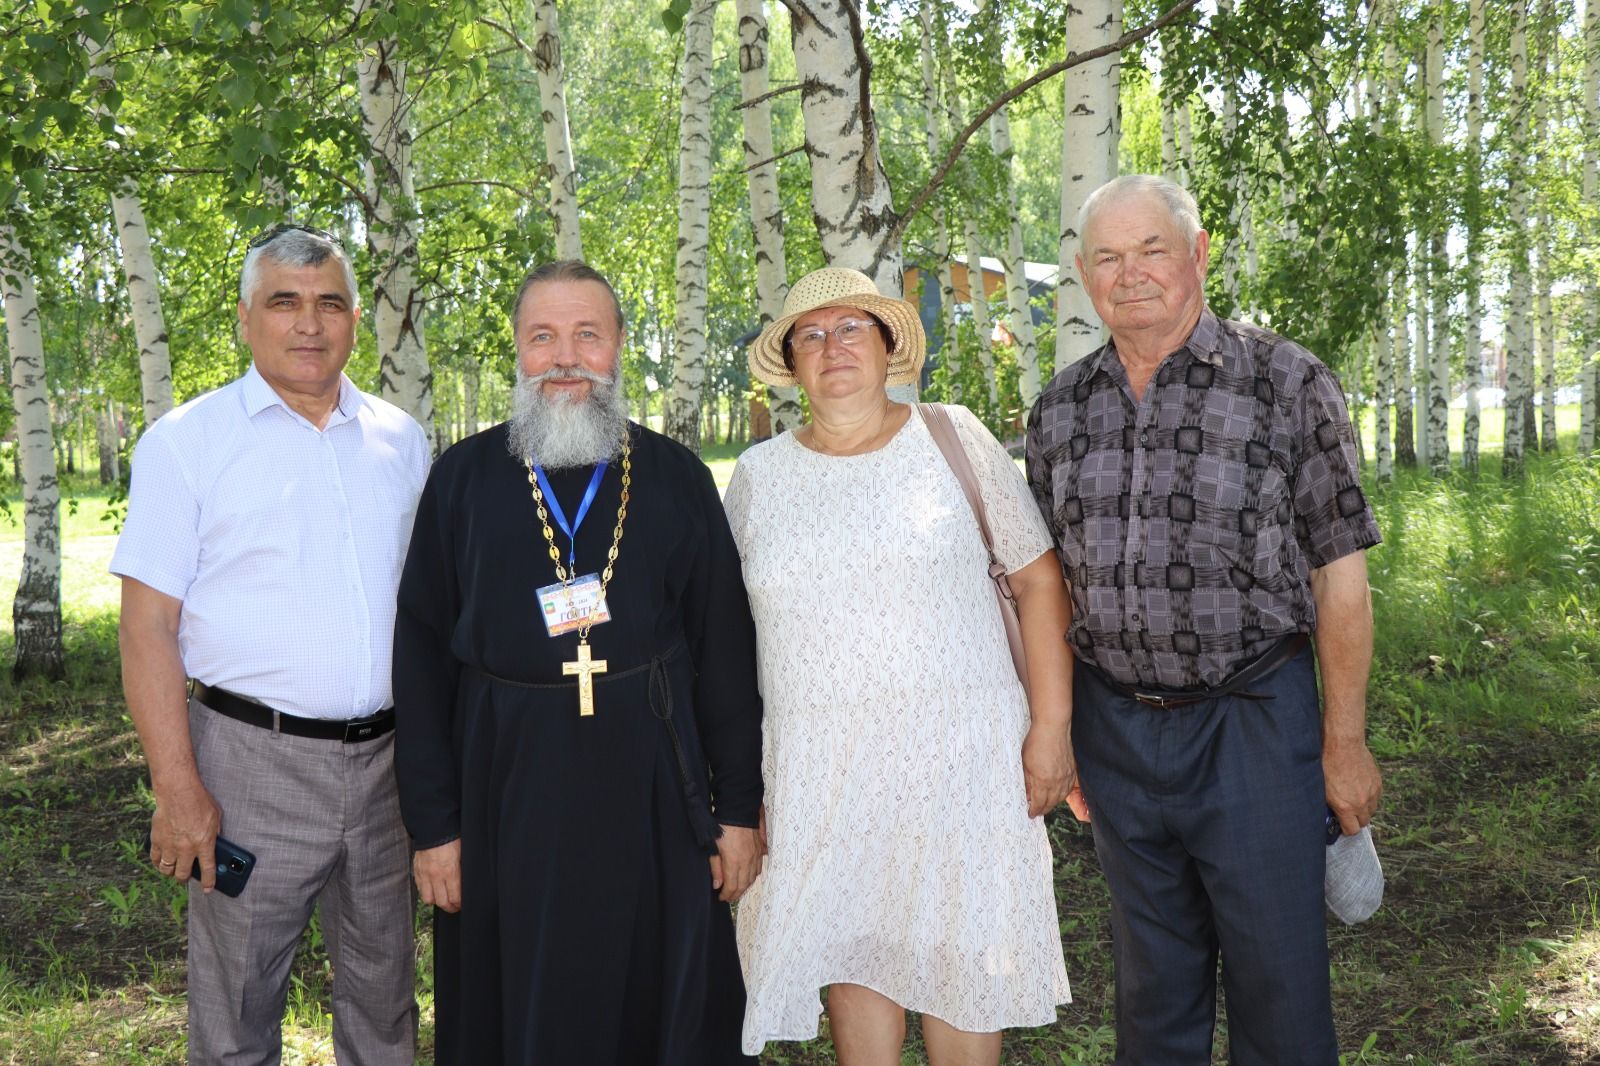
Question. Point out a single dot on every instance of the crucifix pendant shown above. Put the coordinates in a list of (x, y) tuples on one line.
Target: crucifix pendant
[(585, 668)]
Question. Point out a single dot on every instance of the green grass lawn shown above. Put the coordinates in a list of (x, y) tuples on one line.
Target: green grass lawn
[(1485, 715)]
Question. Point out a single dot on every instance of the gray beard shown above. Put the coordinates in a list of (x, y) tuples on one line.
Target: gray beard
[(563, 432)]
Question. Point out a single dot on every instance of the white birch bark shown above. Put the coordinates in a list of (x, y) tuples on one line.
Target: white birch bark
[(850, 195), (138, 267), (1589, 373), (1181, 119), (972, 239), (1088, 125), (978, 297), (1114, 142), (1544, 311), (36, 612), (1472, 340), (1545, 349), (1519, 293), (1438, 265), (682, 414), (1382, 338), (950, 350), (557, 137), (1015, 266), (471, 392), (1421, 287), (1169, 143), (394, 225), (105, 442), (1405, 441), (766, 208), (1012, 262)]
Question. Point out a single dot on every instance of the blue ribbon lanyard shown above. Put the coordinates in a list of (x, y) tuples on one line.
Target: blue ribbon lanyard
[(561, 518)]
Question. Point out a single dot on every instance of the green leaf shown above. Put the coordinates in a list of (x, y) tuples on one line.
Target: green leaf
[(95, 7), (671, 20), (239, 12), (123, 72), (137, 17), (96, 29), (239, 91), (34, 181)]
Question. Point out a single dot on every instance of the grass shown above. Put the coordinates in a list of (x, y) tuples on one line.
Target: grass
[(1485, 714)]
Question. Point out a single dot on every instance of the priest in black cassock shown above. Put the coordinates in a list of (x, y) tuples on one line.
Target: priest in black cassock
[(578, 729)]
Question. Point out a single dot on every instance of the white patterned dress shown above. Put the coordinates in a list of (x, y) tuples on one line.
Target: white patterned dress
[(902, 855)]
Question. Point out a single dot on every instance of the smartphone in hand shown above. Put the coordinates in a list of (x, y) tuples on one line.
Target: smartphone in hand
[(233, 865)]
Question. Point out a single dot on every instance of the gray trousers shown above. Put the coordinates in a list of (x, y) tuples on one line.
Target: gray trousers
[(1208, 820), (323, 820)]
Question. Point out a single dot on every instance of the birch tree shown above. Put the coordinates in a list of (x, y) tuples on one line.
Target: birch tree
[(1589, 367), (138, 264), (851, 201), (766, 209), (972, 241), (1544, 278), (1437, 264), (1405, 441), (1088, 127), (393, 221), (951, 348), (36, 612), (1518, 332), (681, 416), (1382, 337), (1232, 160), (1472, 203), (557, 137), (1012, 261)]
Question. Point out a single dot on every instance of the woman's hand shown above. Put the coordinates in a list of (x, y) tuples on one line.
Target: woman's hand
[(1048, 769)]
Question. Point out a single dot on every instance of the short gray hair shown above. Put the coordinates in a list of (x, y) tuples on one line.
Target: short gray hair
[(1185, 213), (564, 270), (295, 248)]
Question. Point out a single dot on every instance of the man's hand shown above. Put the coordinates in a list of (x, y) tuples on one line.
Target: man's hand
[(737, 862), (438, 874), (1353, 783), (184, 828), (1344, 658), (1048, 769)]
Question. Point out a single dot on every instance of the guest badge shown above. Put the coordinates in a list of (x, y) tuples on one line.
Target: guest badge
[(574, 606)]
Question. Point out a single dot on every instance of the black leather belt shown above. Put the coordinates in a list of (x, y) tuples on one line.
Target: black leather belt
[(349, 731), (1236, 683)]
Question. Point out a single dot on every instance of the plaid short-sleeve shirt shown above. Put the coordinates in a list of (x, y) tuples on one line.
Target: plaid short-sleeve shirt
[(1189, 522)]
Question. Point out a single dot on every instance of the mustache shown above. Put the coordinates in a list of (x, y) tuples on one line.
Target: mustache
[(565, 373)]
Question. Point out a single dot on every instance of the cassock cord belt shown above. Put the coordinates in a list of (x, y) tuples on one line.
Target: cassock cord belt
[(1234, 685), (659, 691)]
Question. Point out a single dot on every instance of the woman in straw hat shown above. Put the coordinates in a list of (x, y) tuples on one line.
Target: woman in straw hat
[(906, 767)]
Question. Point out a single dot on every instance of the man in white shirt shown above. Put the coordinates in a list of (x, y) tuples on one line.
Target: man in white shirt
[(267, 524)]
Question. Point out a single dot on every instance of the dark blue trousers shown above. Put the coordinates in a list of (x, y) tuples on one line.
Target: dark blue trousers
[(1208, 820)]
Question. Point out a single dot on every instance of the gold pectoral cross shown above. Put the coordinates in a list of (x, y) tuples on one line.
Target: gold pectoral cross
[(585, 668)]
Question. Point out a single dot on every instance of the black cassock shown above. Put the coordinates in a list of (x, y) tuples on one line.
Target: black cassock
[(588, 932)]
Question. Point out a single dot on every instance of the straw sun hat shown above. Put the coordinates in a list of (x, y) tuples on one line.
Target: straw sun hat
[(841, 287)]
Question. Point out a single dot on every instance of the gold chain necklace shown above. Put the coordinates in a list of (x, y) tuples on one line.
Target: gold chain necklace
[(616, 537)]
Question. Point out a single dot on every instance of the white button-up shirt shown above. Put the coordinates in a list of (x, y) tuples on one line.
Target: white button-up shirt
[(284, 542)]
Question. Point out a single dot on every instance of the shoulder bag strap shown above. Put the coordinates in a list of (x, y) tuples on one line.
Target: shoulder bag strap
[(944, 435)]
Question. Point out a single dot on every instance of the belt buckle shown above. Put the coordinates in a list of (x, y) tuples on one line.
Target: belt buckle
[(357, 731), (1150, 699)]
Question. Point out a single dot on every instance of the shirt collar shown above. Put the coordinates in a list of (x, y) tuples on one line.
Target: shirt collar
[(258, 396), (1203, 342)]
